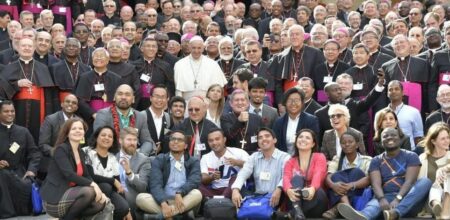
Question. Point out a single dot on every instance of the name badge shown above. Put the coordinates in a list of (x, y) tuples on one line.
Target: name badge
[(99, 87), (145, 78), (358, 86), (200, 147), (39, 5), (253, 139), (444, 78), (178, 165), (327, 79), (14, 147), (255, 75), (62, 10), (264, 176)]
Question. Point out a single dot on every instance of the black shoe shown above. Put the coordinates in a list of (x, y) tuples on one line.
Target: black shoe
[(297, 213)]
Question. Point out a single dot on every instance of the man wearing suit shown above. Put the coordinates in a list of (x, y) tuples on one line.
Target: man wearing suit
[(240, 126), (259, 67), (295, 119), (334, 93), (50, 130), (158, 121), (307, 85), (257, 90), (122, 115), (135, 167)]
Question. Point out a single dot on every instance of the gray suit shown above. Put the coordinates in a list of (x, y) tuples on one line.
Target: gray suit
[(329, 143), (269, 115), (104, 117), (140, 165)]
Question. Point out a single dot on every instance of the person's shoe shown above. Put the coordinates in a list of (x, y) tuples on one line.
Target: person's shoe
[(331, 213), (348, 212), (390, 214), (437, 210), (297, 213)]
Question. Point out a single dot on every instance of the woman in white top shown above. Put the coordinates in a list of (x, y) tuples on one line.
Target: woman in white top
[(215, 95), (105, 170)]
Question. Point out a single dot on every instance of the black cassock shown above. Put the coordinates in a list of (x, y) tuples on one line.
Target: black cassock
[(346, 56), (262, 70), (286, 71), (228, 68), (65, 75), (32, 104), (323, 71), (439, 74), (189, 128), (156, 72), (413, 73), (237, 132), (47, 59), (22, 154), (378, 58), (364, 79), (127, 72), (86, 92)]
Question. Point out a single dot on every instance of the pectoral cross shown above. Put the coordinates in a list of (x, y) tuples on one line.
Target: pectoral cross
[(30, 90), (243, 142), (195, 84), (295, 77), (8, 2)]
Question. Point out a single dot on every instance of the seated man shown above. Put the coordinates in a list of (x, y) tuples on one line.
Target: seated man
[(19, 159), (393, 174), (122, 115), (175, 179), (220, 166), (135, 167), (266, 165)]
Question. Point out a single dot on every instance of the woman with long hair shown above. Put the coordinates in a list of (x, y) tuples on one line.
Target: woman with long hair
[(436, 167), (347, 174), (387, 118), (104, 168), (215, 95), (303, 178), (68, 191)]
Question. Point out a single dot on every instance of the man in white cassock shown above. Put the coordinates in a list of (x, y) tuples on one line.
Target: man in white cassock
[(196, 72)]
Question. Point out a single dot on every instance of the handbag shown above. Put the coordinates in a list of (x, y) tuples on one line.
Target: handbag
[(36, 199), (256, 207)]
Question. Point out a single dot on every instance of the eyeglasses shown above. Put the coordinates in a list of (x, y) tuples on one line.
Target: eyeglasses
[(445, 95), (330, 50), (177, 6), (251, 51), (195, 11), (176, 139), (338, 116), (193, 109)]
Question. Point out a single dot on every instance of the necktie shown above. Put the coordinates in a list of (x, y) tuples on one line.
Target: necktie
[(194, 140), (257, 111)]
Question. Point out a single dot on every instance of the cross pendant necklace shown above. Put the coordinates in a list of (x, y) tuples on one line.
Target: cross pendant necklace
[(30, 90), (8, 2), (195, 73), (243, 142)]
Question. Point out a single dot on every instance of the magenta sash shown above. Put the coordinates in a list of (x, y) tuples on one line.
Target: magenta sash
[(32, 8), (322, 96), (12, 9), (98, 104), (65, 11), (146, 90), (414, 93)]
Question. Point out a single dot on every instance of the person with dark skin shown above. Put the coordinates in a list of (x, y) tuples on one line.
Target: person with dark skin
[(81, 32)]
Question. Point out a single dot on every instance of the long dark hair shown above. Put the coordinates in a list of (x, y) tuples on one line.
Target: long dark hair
[(379, 121), (341, 157), (64, 132), (115, 145), (313, 134)]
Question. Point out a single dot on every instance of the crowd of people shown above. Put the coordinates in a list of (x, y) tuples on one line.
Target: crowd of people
[(332, 108)]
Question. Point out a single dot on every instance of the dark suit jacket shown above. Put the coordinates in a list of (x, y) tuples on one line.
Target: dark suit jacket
[(204, 127), (62, 77), (61, 172), (160, 173), (140, 165), (312, 106), (152, 129), (233, 130), (355, 107), (49, 131), (263, 71), (328, 146), (8, 56), (305, 121)]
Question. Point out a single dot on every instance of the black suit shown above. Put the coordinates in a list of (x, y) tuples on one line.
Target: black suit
[(63, 77), (322, 70), (188, 127), (8, 56), (311, 106), (61, 172), (235, 129), (153, 131), (436, 116), (228, 69), (47, 59)]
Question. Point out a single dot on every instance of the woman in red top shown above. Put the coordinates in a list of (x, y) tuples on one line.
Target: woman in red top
[(304, 175), (68, 191)]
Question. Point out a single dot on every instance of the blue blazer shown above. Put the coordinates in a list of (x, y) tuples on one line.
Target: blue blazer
[(306, 120)]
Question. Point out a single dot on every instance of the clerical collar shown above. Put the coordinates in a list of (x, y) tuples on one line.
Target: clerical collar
[(301, 49), (148, 61), (7, 125), (374, 52), (197, 123), (360, 67), (402, 58), (100, 73), (257, 64), (26, 61), (331, 65), (73, 64)]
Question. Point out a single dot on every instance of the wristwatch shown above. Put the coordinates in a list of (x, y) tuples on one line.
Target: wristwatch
[(399, 197)]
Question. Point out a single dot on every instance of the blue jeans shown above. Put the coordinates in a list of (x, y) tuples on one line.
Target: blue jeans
[(411, 204)]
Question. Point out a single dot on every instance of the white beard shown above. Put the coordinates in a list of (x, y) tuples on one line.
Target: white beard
[(226, 57), (445, 105)]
